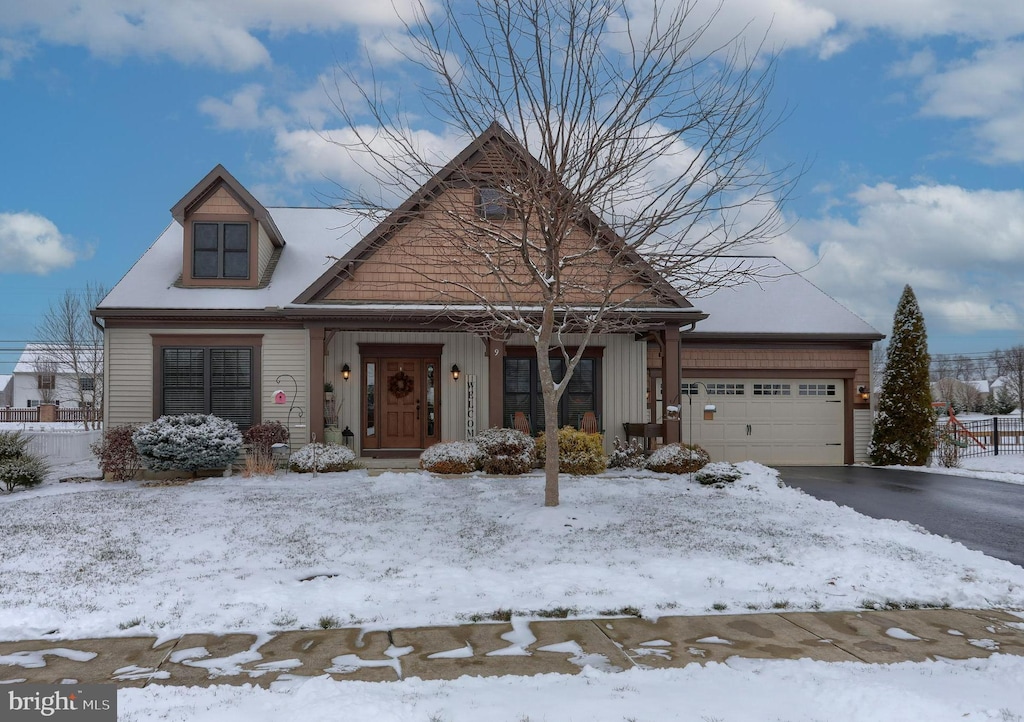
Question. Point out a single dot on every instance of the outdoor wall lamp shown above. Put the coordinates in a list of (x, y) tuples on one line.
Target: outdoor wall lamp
[(346, 372), (455, 372), (862, 391)]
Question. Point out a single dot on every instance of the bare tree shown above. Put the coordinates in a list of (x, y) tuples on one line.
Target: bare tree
[(46, 370), (622, 146), (73, 345), (1011, 367)]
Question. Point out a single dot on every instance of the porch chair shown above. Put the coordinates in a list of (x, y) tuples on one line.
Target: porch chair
[(589, 423), (520, 422)]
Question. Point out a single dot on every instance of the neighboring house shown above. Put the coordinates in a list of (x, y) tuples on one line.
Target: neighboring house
[(246, 312), (43, 374), (6, 384)]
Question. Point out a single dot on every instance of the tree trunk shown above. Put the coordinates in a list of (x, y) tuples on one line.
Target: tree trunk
[(551, 450)]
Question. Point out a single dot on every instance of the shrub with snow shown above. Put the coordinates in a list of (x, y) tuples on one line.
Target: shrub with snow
[(451, 457), (678, 459), (627, 456), (188, 442), (718, 473), (322, 458), (579, 453), (118, 457), (505, 451), (19, 467), (262, 437)]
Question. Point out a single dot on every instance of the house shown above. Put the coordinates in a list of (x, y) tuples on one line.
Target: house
[(250, 312), (47, 374)]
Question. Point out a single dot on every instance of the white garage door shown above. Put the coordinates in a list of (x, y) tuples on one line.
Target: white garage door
[(771, 421)]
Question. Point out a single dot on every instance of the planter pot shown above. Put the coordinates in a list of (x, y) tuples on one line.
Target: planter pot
[(332, 435)]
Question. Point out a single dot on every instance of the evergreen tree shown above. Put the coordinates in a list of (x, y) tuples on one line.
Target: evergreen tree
[(904, 426)]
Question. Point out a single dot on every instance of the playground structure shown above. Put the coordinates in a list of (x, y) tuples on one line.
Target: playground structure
[(955, 431)]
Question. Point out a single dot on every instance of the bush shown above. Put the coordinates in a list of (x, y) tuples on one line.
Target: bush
[(119, 459), (188, 442), (717, 473), (19, 467), (451, 457), (25, 470), (579, 453), (12, 445), (262, 437), (322, 458), (627, 456), (505, 451), (678, 459)]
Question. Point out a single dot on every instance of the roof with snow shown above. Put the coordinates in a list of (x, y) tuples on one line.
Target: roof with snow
[(773, 300), (36, 354)]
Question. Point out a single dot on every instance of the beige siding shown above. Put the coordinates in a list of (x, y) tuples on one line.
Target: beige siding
[(266, 250), (129, 373), (861, 435), (466, 350), (222, 203)]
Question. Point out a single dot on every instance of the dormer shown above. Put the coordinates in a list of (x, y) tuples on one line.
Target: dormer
[(229, 239)]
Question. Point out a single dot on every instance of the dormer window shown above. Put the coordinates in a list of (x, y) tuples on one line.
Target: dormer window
[(220, 250), (492, 204)]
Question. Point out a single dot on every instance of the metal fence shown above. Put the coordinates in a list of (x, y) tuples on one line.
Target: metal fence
[(987, 437)]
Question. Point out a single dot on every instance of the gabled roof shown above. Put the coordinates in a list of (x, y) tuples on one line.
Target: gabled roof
[(215, 179), (35, 354), (776, 301), (494, 137)]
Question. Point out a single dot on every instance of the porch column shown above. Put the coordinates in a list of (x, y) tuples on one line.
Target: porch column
[(670, 382), (315, 398), (495, 378)]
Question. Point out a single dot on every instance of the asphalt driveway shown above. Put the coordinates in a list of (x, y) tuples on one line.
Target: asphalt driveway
[(981, 514)]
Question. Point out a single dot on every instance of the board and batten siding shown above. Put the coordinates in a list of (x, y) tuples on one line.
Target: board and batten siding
[(466, 350), (129, 373), (623, 380)]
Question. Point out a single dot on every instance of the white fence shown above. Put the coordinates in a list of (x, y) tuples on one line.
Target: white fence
[(62, 446)]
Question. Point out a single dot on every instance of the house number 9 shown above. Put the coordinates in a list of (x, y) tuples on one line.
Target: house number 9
[(496, 352)]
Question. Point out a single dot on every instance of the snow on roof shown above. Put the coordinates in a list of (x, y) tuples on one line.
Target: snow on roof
[(4, 380), (36, 354), (777, 301), (311, 234)]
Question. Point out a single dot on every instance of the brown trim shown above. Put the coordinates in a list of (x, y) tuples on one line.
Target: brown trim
[(848, 436), (315, 393), (188, 281), (671, 380), (216, 320), (531, 352), (161, 341), (778, 340), (768, 373), (399, 350), (211, 182), (496, 351)]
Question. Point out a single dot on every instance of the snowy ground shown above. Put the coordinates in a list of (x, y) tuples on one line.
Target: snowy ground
[(1008, 468), (408, 549)]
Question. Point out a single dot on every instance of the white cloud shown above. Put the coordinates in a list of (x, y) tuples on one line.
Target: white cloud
[(959, 249), (244, 110), (33, 244), (221, 34)]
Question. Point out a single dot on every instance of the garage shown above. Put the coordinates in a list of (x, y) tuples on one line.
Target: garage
[(773, 421)]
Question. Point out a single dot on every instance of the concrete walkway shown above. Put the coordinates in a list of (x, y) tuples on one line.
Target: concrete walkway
[(518, 648)]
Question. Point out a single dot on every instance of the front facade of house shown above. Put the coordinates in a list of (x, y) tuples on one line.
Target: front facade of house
[(253, 314)]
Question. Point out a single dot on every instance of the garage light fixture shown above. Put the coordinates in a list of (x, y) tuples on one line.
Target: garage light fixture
[(346, 372), (862, 391)]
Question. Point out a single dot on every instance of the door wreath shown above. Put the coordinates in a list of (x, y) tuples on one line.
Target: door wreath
[(400, 385)]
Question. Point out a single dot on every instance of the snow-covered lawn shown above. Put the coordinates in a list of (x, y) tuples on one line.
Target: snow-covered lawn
[(1008, 468), (405, 549)]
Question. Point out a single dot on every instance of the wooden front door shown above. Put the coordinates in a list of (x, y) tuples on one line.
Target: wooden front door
[(402, 410)]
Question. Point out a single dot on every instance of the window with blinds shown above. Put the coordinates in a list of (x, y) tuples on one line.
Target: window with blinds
[(209, 380), (522, 391)]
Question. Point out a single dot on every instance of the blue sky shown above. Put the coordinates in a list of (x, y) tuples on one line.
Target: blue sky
[(910, 114)]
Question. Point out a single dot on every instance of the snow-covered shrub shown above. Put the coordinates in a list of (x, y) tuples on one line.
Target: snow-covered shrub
[(718, 472), (12, 444), (19, 467), (188, 442), (947, 453), (627, 456), (118, 457), (322, 458), (579, 453), (505, 451), (678, 459), (25, 470), (451, 457)]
